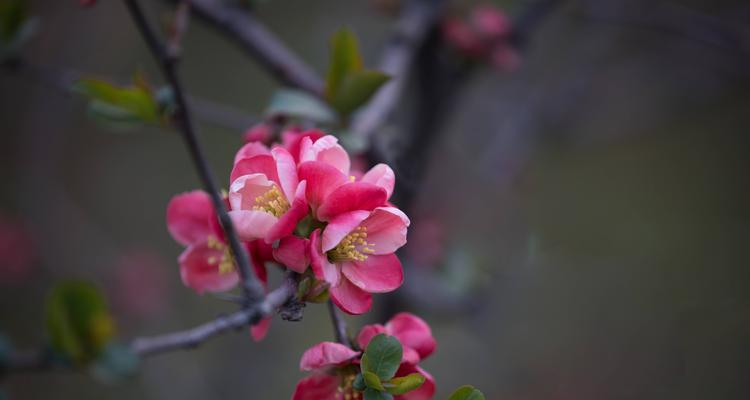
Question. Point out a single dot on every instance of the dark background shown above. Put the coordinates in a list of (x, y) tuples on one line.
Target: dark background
[(590, 209)]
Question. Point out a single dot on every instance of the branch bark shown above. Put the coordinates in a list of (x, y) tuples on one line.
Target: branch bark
[(168, 63), (339, 325)]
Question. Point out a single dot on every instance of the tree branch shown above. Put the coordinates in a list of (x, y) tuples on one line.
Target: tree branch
[(239, 26), (339, 325), (168, 63)]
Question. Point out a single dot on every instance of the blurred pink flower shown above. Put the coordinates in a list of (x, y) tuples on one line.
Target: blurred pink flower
[(261, 132), (141, 283), (16, 251)]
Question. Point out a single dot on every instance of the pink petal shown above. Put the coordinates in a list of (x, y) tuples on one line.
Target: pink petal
[(245, 189), (199, 270), (424, 392), (413, 332), (318, 387), (341, 226), (350, 298), (322, 179), (292, 140), (286, 168), (351, 197), (260, 330), (293, 253), (386, 229), (377, 274), (327, 150), (367, 333), (259, 164), (250, 149), (322, 268), (289, 220), (383, 176), (188, 217), (257, 249), (251, 225), (326, 354)]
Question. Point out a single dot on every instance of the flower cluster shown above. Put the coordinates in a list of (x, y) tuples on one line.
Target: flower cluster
[(301, 205), (335, 367)]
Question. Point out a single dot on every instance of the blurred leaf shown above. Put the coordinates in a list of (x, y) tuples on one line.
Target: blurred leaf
[(466, 393), (130, 105), (359, 383), (115, 363), (298, 104), (373, 394), (356, 89), (78, 321), (352, 143), (404, 384), (345, 58), (16, 27), (372, 380), (382, 356)]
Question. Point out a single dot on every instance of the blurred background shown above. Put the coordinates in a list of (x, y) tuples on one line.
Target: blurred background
[(580, 217)]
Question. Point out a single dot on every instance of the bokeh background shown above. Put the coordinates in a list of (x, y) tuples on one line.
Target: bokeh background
[(580, 229)]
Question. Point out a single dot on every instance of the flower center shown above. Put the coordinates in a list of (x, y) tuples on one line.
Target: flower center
[(272, 202), (226, 261), (346, 387), (354, 247)]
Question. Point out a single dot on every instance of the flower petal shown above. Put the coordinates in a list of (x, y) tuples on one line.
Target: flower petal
[(317, 387), (327, 150), (351, 197), (383, 176), (286, 168), (326, 354), (259, 164), (292, 140), (367, 333), (424, 392), (322, 268), (188, 217), (349, 298), (376, 274), (386, 229), (341, 226), (199, 269), (322, 179), (260, 330), (413, 332), (250, 149), (289, 220), (293, 253), (245, 189), (252, 224)]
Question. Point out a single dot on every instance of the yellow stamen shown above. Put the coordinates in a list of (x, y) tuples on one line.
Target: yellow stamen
[(272, 202), (226, 262), (353, 247)]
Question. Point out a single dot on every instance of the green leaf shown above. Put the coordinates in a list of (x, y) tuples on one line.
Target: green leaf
[(13, 14), (382, 356), (404, 384), (359, 383), (372, 380), (345, 58), (78, 321), (466, 392), (116, 363), (373, 394), (134, 104), (298, 104), (356, 88)]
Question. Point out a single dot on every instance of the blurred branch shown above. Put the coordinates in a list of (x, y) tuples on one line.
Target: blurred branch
[(62, 79), (339, 325), (251, 286), (239, 26)]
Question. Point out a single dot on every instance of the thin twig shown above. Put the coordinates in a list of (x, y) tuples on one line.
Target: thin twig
[(339, 325), (251, 286), (239, 26)]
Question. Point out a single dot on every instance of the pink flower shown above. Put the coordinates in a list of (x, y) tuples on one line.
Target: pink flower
[(16, 251), (354, 254), (142, 283), (262, 133), (291, 139), (266, 198), (334, 373)]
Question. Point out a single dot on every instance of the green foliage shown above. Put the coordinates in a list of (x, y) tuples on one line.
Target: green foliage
[(78, 321), (298, 104), (466, 392), (16, 27), (372, 380), (374, 394), (404, 384), (359, 383), (382, 356), (348, 84), (121, 106)]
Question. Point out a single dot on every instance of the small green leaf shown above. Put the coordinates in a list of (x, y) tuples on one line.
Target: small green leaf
[(382, 356), (359, 383), (466, 392), (372, 380), (356, 88), (404, 384), (78, 321), (345, 58), (298, 104), (116, 363), (13, 14), (125, 105), (374, 394)]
